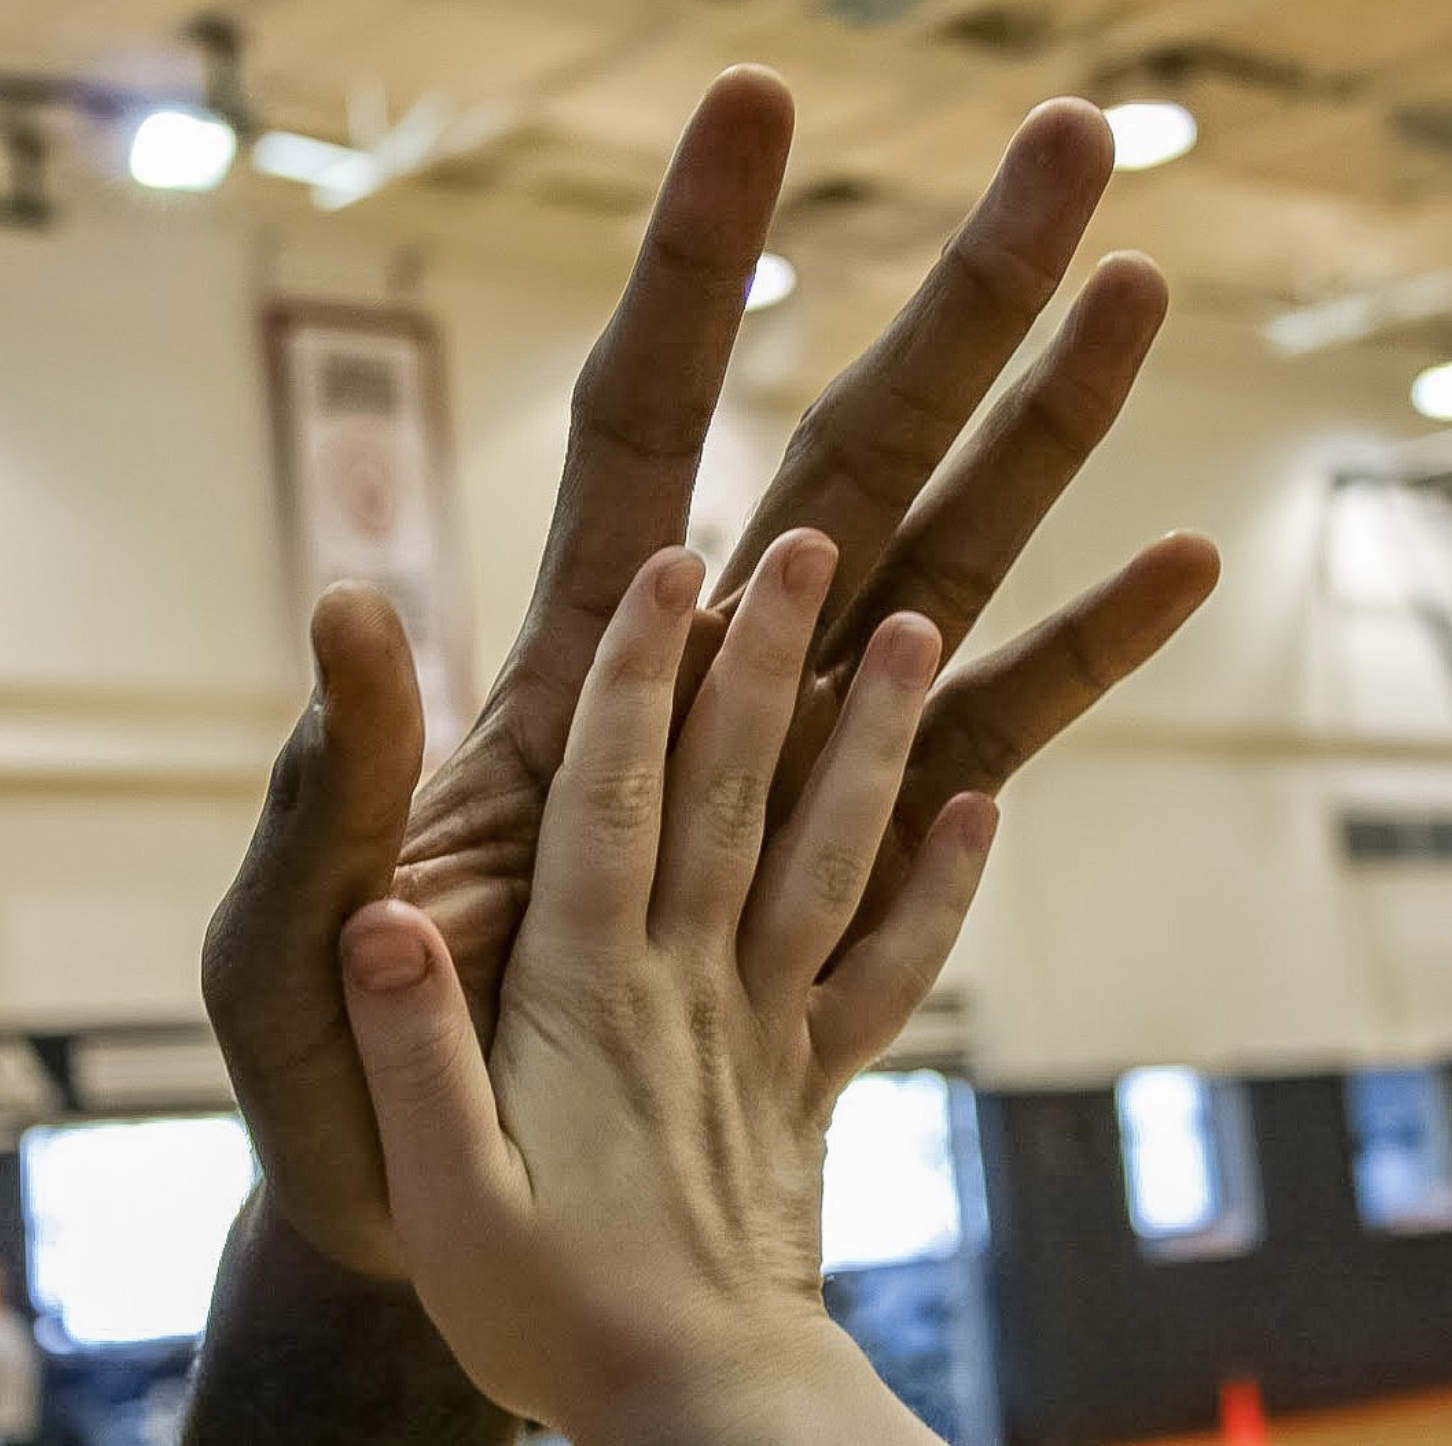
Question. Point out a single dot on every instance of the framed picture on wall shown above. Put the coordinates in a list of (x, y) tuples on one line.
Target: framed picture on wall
[(365, 474)]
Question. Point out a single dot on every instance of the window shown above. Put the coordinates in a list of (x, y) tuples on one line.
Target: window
[(1401, 1159), (890, 1189), (1188, 1167), (126, 1219), (905, 1231)]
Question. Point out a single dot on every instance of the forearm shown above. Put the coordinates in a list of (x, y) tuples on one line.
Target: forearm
[(809, 1387), (300, 1352)]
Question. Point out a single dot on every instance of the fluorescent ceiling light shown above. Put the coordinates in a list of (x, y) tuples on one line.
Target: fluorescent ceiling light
[(182, 150), (1361, 315), (1432, 393), (339, 175), (774, 279), (1149, 133), (299, 158), (1312, 328)]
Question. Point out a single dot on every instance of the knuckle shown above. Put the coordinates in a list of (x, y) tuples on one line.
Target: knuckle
[(957, 590), (880, 470), (1085, 664), (639, 667), (997, 753), (223, 993), (623, 802), (602, 411), (837, 875), (774, 657), (733, 808), (886, 449), (418, 1065), (583, 396), (1067, 417), (627, 1009), (219, 998), (705, 1020), (296, 761), (1007, 281)]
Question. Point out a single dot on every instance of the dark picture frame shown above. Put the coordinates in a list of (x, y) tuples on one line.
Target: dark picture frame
[(366, 481)]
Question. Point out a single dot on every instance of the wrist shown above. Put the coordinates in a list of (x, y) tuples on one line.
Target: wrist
[(300, 1349), (270, 1246), (795, 1381), (319, 1226)]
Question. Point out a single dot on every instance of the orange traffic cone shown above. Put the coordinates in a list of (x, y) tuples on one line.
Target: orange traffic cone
[(1242, 1417)]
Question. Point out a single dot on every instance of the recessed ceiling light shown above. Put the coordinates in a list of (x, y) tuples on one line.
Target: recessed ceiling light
[(774, 279), (1149, 133), (182, 150), (1432, 393)]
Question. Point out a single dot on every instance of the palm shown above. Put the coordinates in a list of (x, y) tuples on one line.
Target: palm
[(468, 853)]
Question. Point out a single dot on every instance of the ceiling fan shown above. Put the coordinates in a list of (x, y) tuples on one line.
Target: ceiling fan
[(190, 143), (378, 149)]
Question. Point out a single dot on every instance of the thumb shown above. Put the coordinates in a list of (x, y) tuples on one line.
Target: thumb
[(333, 821), (437, 1119), (327, 842)]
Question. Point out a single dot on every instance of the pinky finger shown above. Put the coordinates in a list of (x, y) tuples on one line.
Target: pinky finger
[(862, 1005)]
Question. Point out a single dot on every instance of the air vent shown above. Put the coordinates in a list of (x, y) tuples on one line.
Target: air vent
[(1429, 126), (1175, 66), (1389, 839), (1016, 32), (869, 12), (862, 219), (555, 169), (836, 192), (1436, 477)]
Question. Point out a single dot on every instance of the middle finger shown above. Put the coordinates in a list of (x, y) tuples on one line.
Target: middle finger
[(864, 450)]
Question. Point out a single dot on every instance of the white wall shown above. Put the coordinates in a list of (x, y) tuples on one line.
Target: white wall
[(1166, 885), (152, 660), (1169, 885)]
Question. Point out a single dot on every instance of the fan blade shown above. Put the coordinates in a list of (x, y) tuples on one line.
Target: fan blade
[(304, 159), (367, 113), (408, 144), (359, 177), (473, 129)]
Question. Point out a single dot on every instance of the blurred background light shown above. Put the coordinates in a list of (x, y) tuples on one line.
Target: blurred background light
[(1149, 133), (126, 1220), (774, 279), (299, 158), (1164, 1117), (182, 150), (1432, 393), (890, 1191)]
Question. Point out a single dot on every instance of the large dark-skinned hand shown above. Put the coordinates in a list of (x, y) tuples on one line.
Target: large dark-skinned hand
[(341, 826)]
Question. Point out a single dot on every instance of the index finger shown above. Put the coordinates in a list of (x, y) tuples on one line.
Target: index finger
[(645, 397), (600, 835)]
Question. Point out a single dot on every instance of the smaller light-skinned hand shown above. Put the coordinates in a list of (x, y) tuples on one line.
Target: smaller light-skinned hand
[(617, 1209)]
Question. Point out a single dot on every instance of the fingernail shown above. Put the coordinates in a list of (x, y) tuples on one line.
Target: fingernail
[(807, 571), (678, 586), (385, 960), (912, 656)]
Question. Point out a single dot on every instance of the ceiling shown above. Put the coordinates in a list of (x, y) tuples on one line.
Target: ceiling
[(1324, 170)]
